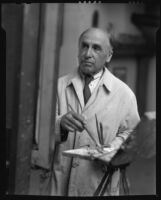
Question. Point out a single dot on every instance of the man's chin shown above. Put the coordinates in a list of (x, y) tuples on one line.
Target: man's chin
[(86, 69)]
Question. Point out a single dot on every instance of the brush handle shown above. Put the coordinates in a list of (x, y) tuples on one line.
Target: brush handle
[(89, 131)]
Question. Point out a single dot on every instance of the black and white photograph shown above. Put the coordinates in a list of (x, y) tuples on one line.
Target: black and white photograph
[(80, 98)]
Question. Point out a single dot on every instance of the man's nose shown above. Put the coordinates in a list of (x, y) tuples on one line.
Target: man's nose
[(88, 52)]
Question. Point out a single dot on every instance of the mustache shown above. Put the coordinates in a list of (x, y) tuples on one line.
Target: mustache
[(87, 61)]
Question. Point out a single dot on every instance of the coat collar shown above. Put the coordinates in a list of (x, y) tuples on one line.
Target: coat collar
[(106, 80), (75, 77), (76, 80)]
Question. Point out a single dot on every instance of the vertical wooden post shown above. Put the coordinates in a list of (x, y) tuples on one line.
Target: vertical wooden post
[(59, 41), (49, 67), (22, 136)]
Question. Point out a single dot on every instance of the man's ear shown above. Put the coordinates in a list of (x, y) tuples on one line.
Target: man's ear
[(109, 56)]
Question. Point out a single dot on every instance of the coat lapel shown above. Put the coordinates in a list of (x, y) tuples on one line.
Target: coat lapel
[(106, 80), (78, 87), (92, 97), (77, 83)]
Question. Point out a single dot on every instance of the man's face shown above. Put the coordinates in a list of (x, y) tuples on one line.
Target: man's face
[(93, 51)]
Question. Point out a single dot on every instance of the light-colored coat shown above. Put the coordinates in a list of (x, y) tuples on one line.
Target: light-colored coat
[(116, 107)]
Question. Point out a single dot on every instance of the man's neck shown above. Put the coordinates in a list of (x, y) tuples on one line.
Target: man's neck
[(95, 75)]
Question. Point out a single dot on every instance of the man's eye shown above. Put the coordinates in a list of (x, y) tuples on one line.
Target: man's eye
[(84, 46), (96, 47)]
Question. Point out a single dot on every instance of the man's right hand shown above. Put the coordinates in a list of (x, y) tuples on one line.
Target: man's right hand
[(72, 121)]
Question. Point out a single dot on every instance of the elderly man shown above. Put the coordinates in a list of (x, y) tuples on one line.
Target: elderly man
[(90, 90)]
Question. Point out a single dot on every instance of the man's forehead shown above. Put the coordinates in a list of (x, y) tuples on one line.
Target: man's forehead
[(95, 35), (94, 41)]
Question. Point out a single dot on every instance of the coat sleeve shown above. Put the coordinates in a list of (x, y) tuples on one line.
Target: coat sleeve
[(128, 124)]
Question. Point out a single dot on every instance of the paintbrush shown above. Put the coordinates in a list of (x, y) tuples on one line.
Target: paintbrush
[(89, 131), (98, 131), (100, 134)]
